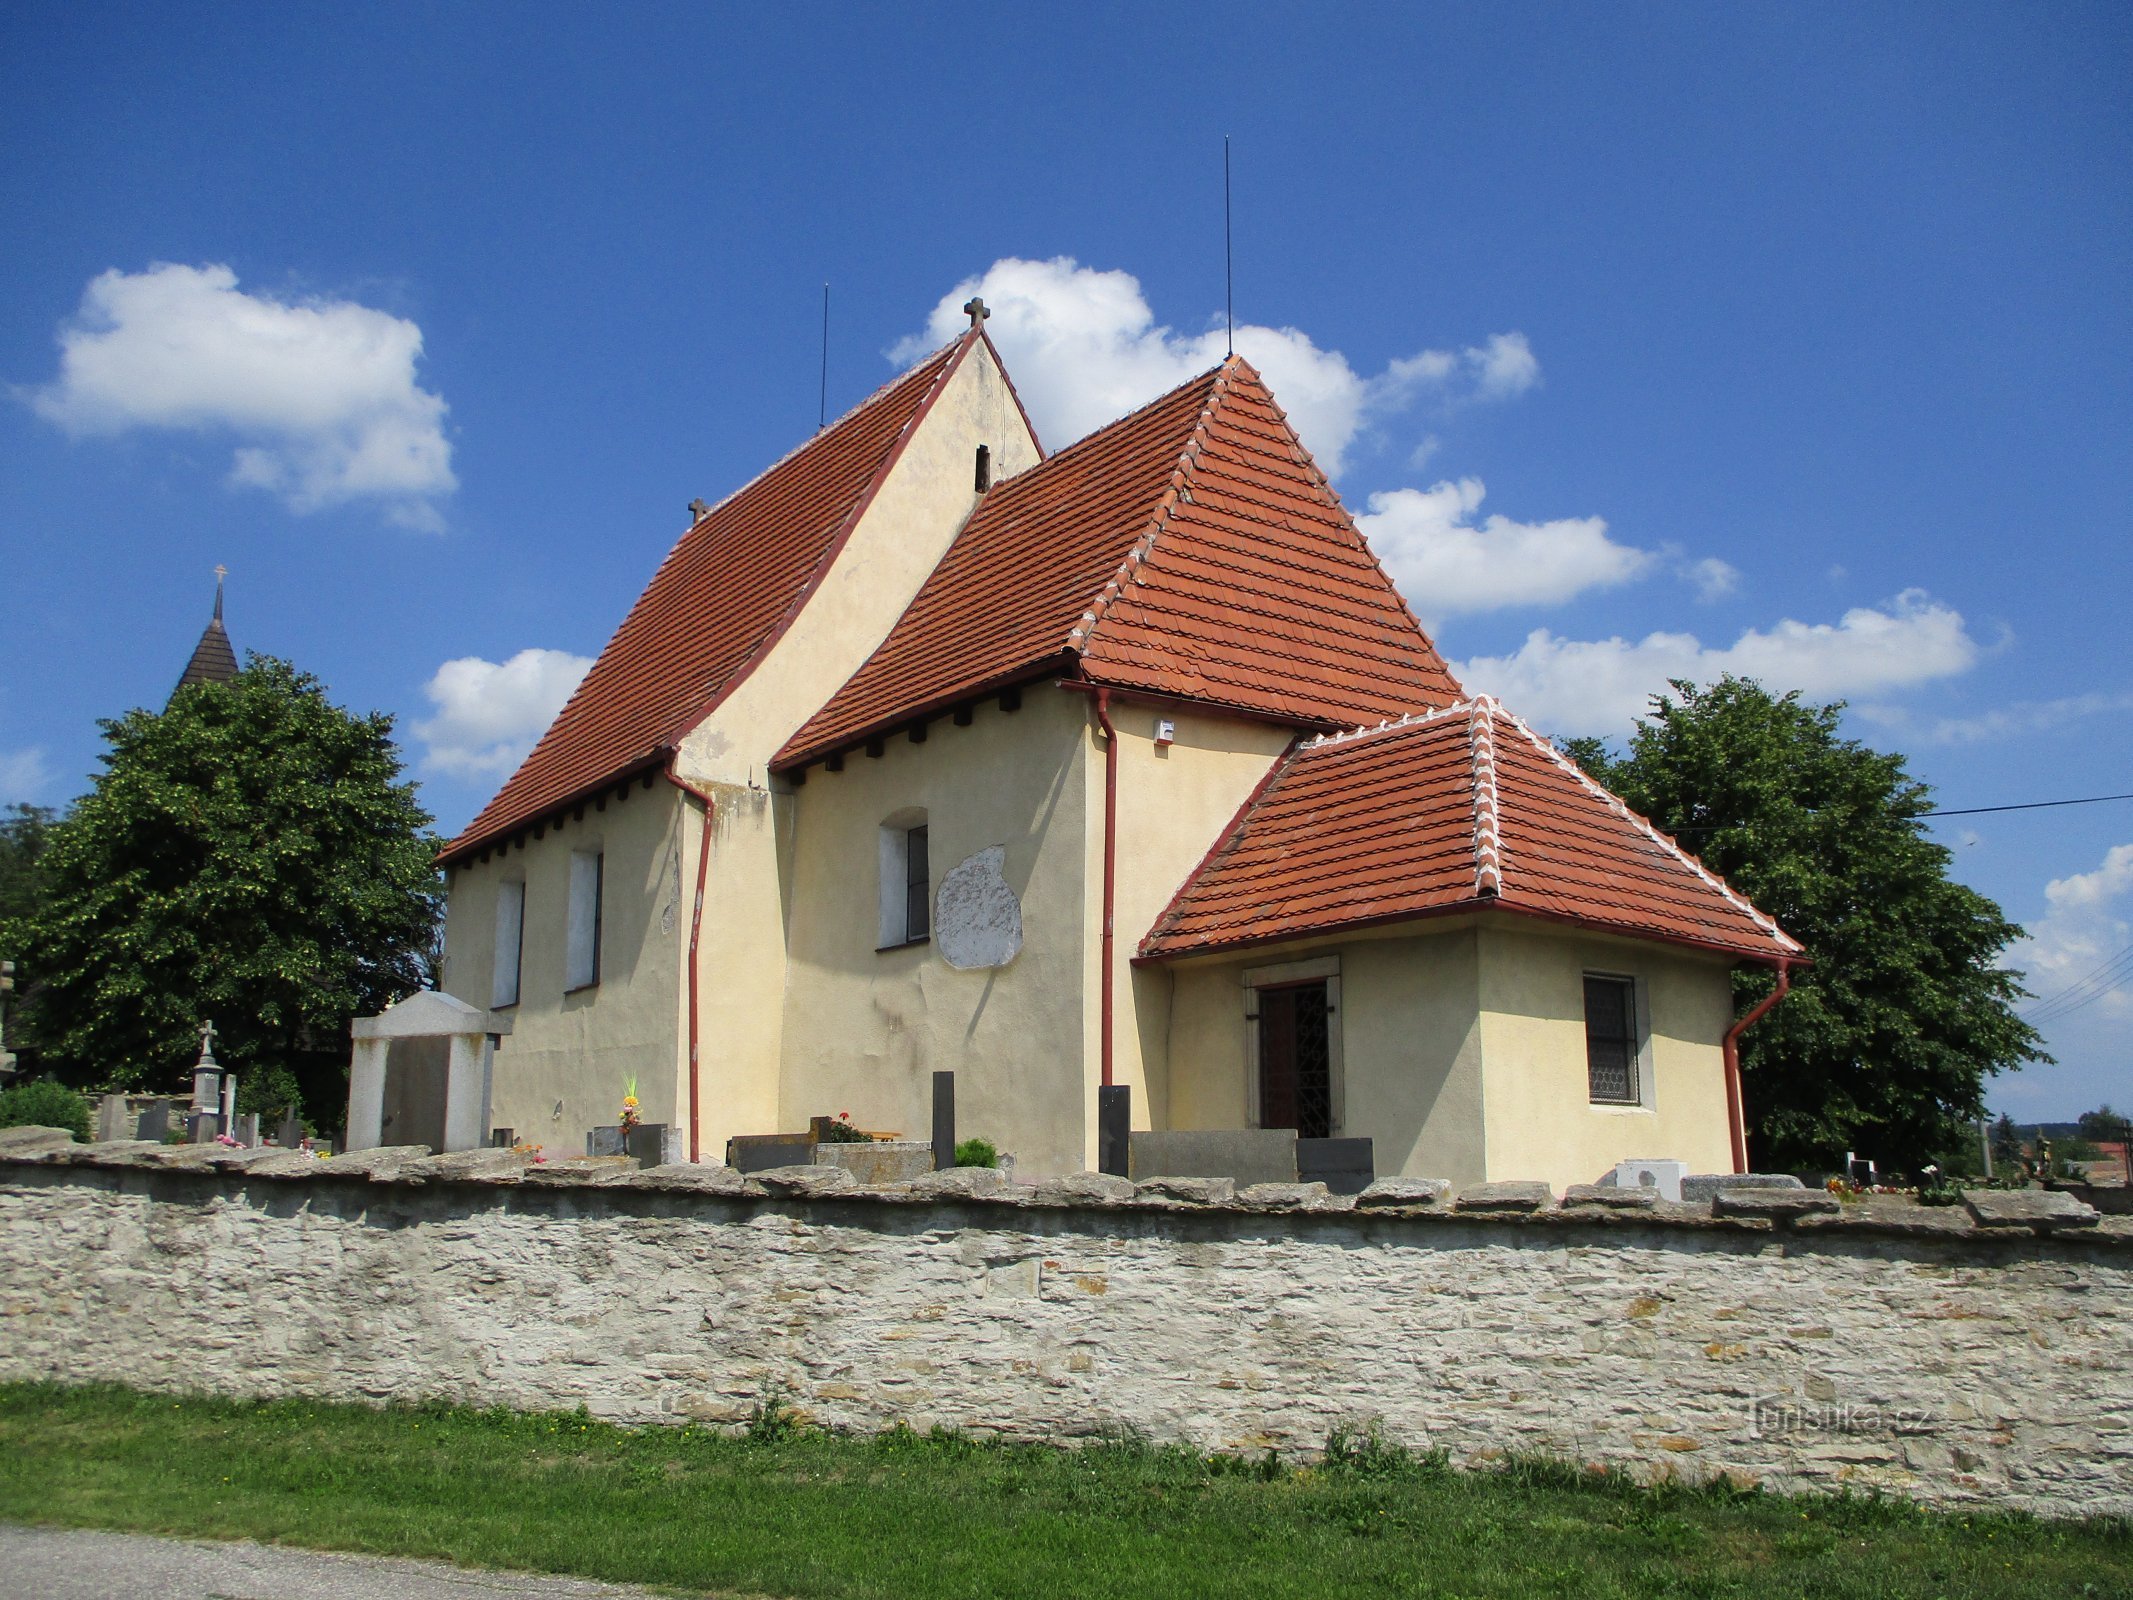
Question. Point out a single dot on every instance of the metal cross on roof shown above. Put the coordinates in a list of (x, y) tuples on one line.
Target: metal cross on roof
[(974, 309)]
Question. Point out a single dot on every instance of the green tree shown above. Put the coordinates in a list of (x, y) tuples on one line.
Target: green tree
[(24, 833), (249, 855), (1887, 1040)]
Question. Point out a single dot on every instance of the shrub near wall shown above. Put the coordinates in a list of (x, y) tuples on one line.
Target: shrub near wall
[(1915, 1352)]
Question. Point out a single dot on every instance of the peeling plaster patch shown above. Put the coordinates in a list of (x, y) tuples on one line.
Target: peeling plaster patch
[(977, 921)]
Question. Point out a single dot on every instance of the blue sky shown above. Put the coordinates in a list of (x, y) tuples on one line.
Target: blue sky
[(1793, 339)]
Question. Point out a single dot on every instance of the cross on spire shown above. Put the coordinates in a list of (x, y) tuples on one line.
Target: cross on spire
[(974, 309), (221, 572)]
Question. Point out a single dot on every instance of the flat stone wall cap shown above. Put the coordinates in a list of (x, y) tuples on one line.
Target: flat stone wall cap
[(1085, 1189), (285, 1164), (1778, 1205), (2041, 1210), (1511, 1194), (1291, 1197), (467, 1166), (962, 1182), (1403, 1193), (1612, 1197), (242, 1158), (806, 1180), (32, 1136), (105, 1153), (1705, 1185), (579, 1171), (380, 1161), (1187, 1191), (692, 1177)]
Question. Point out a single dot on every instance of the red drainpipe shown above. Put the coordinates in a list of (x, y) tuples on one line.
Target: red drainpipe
[(1734, 1114), (1103, 721), (696, 924)]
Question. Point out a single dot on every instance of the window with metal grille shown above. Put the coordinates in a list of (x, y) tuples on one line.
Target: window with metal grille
[(1295, 1060), (1611, 1040)]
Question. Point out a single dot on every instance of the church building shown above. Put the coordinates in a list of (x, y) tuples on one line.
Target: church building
[(1125, 765)]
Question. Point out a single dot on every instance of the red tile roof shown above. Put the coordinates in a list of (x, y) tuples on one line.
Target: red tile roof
[(1460, 809), (1190, 549), (721, 597)]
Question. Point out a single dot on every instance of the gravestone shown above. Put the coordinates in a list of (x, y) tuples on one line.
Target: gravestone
[(155, 1121)]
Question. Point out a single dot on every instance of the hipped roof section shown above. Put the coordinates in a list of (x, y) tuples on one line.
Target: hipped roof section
[(1461, 809), (723, 595), (1191, 549)]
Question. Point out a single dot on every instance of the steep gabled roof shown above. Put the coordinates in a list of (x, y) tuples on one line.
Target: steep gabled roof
[(1190, 549), (1461, 809), (719, 600)]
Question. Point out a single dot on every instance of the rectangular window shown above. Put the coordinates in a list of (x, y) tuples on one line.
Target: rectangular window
[(918, 901), (582, 964), (510, 942), (1611, 1044)]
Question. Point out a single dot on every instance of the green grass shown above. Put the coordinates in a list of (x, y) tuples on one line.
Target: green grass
[(793, 1511)]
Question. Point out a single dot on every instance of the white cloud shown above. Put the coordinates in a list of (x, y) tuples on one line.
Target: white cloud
[(489, 713), (23, 775), (320, 394), (1714, 579), (2070, 950), (1447, 564), (1571, 686), (1504, 368), (2024, 716), (1084, 348)]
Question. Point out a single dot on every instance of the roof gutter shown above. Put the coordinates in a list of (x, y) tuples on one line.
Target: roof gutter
[(1103, 721), (696, 926), (1735, 1116)]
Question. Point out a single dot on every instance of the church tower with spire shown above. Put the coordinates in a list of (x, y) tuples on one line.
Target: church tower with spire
[(213, 660)]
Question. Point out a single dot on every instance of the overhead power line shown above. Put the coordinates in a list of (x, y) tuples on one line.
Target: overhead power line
[(2084, 991), (1950, 811)]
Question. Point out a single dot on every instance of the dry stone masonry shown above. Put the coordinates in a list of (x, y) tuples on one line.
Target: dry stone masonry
[(1977, 1355)]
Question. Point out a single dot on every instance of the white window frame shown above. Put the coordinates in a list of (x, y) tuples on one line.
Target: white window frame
[(508, 967), (1640, 1058), (581, 959), (1278, 976), (892, 924)]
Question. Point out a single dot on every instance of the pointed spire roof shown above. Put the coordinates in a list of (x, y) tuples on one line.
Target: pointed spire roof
[(213, 660), (1190, 549), (1460, 809), (723, 595)]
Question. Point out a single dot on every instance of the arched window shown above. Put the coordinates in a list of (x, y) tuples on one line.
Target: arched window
[(906, 880)]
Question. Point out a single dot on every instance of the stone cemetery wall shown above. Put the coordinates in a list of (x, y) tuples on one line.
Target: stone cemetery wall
[(1953, 1357)]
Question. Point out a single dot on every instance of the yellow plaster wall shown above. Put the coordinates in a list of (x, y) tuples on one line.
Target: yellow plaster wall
[(865, 1029), (577, 1050), (1411, 1063), (1173, 803), (1540, 1119), (741, 971)]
